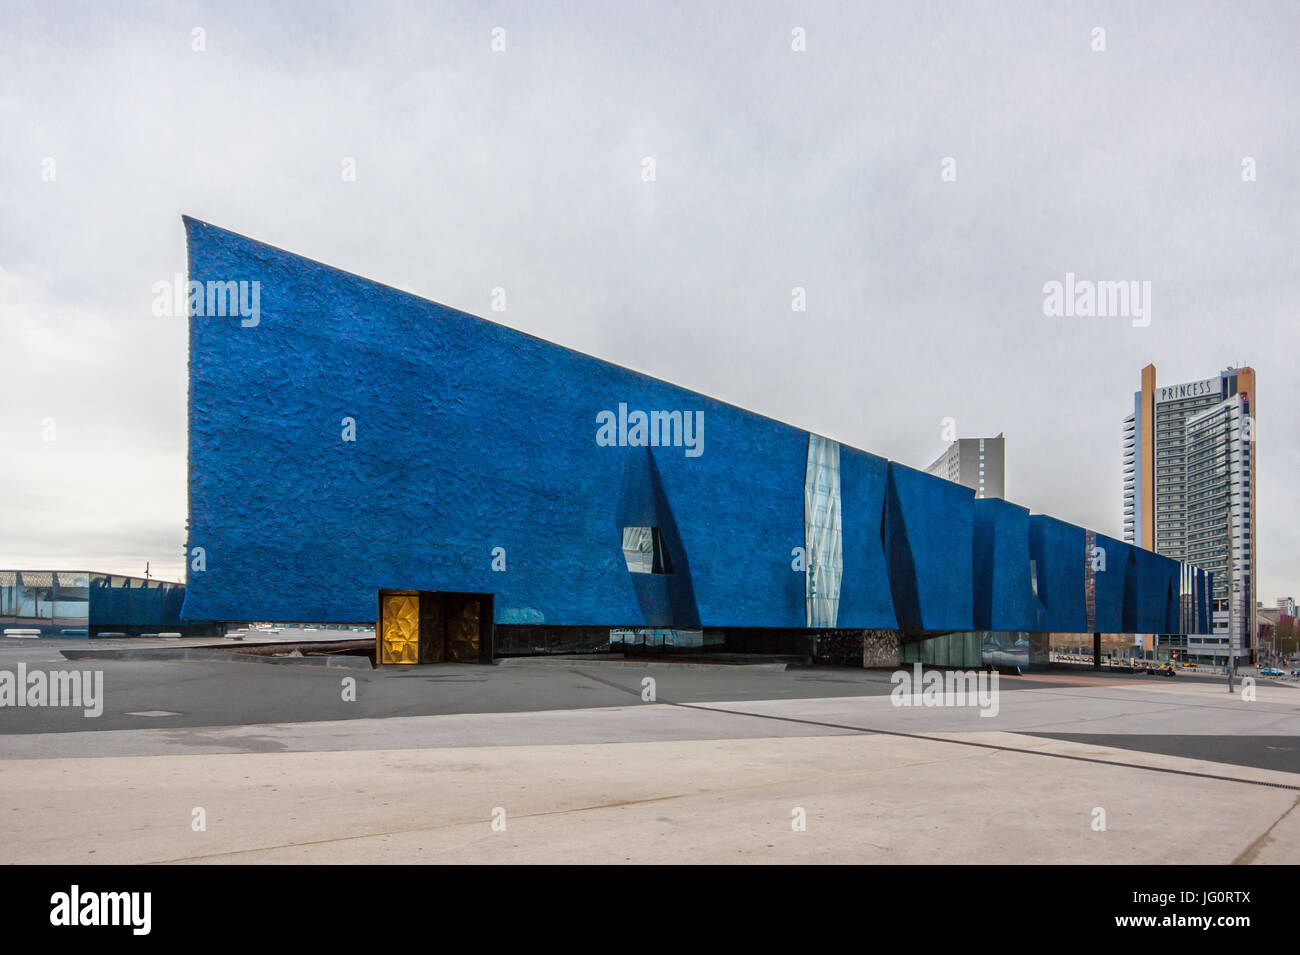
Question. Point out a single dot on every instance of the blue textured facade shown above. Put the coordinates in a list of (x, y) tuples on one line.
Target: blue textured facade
[(1056, 548), (1004, 584), (930, 541), (866, 597), (1114, 594), (351, 437)]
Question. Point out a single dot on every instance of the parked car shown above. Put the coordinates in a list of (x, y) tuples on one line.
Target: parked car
[(1270, 671)]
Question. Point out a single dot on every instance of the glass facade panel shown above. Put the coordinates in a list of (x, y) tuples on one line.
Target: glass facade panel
[(83, 603), (644, 551), (823, 536), (44, 600)]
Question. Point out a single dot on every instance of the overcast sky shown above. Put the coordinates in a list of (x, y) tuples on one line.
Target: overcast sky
[(775, 168)]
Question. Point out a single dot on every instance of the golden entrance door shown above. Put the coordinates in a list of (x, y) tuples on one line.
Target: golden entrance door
[(399, 627), (426, 626)]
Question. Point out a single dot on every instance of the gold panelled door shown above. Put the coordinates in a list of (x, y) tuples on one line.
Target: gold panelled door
[(400, 642)]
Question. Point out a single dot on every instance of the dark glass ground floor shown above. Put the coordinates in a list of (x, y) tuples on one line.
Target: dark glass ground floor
[(834, 647)]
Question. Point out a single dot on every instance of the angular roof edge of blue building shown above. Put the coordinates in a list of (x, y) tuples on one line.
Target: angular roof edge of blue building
[(346, 436)]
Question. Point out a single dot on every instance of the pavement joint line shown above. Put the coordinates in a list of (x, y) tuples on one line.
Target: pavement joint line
[(1057, 691), (1095, 719), (963, 742), (804, 777), (1005, 749), (1252, 850), (1069, 692), (425, 828)]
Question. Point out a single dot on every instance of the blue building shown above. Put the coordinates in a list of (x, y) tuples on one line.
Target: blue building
[(358, 453)]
